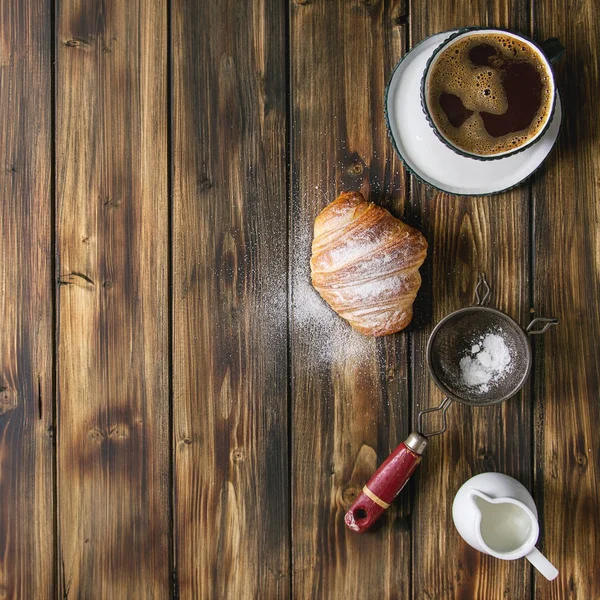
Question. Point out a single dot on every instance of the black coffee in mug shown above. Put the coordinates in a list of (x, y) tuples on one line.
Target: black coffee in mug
[(489, 93)]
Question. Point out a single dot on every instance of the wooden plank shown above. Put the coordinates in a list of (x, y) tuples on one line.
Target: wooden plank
[(113, 376), (567, 285), (468, 235), (26, 370), (229, 299), (349, 392)]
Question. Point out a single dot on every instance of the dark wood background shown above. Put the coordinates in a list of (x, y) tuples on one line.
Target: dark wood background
[(180, 415)]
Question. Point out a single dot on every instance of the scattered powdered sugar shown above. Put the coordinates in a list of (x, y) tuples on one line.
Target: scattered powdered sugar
[(329, 337), (487, 363), (320, 333)]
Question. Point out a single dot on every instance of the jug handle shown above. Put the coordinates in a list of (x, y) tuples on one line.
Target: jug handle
[(386, 483), (542, 564)]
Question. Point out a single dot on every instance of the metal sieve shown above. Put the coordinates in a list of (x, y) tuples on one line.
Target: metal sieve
[(448, 342), (463, 329)]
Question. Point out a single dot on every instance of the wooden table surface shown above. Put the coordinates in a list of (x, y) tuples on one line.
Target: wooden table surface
[(180, 414)]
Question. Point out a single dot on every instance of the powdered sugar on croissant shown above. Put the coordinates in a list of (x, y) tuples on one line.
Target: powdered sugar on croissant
[(365, 264)]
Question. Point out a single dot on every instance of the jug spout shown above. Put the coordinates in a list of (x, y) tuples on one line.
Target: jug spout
[(505, 525), (467, 515), (477, 495)]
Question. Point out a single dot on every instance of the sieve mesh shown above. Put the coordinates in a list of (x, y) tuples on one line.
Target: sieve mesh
[(452, 339)]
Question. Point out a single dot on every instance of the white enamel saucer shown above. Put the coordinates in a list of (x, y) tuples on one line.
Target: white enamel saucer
[(431, 160)]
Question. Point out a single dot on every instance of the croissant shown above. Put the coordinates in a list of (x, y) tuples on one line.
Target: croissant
[(365, 264)]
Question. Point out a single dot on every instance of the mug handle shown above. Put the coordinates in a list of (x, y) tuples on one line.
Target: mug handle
[(553, 50)]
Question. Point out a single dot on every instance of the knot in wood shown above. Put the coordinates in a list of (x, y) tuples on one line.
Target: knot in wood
[(76, 43), (204, 183), (112, 203), (119, 432), (582, 462), (356, 168), (77, 279), (184, 442), (487, 458), (96, 435), (354, 163), (8, 399), (399, 18), (349, 494)]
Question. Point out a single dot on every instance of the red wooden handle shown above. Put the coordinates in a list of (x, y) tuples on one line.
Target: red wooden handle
[(382, 488)]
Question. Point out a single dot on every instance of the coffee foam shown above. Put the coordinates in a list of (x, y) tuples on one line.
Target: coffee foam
[(480, 90)]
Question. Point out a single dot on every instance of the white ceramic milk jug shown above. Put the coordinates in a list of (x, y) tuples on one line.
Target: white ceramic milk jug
[(496, 515)]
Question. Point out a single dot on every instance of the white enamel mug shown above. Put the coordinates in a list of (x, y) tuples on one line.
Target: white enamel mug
[(548, 53)]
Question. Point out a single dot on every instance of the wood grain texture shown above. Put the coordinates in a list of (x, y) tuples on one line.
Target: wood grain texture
[(229, 299), (567, 285), (260, 487), (468, 235), (112, 235), (349, 392), (26, 370)]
